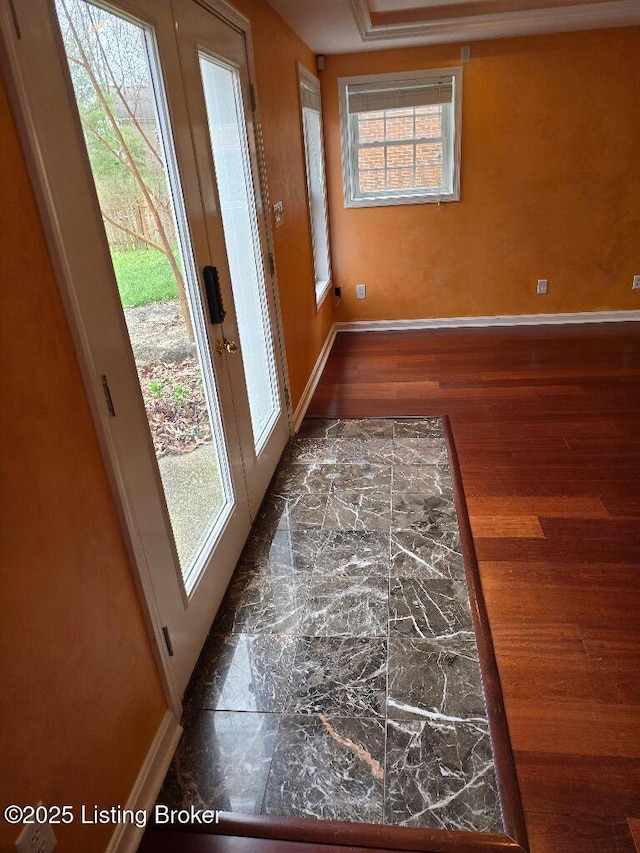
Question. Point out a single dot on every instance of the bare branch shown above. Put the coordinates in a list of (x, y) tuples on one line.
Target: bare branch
[(132, 165), (132, 233), (104, 141), (124, 101), (126, 157), (162, 203)]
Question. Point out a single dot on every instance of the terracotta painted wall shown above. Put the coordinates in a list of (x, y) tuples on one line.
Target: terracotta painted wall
[(81, 699), (277, 51), (550, 186)]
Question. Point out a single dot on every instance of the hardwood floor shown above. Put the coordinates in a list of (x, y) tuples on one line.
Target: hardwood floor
[(546, 423), (547, 427), (163, 841)]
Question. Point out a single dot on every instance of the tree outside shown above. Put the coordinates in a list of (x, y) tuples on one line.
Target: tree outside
[(112, 82), (111, 72)]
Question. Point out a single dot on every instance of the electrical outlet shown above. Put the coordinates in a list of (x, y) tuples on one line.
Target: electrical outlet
[(636, 283), (36, 838), (542, 285), (361, 291)]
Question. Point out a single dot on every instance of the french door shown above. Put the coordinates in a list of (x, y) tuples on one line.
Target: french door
[(140, 123), (214, 64)]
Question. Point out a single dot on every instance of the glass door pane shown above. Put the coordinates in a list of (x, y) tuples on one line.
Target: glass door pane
[(118, 89), (227, 129)]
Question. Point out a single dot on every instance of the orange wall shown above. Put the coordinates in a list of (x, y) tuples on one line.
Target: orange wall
[(81, 698), (277, 50), (550, 186)]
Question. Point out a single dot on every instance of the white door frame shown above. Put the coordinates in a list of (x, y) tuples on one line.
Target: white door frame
[(56, 198)]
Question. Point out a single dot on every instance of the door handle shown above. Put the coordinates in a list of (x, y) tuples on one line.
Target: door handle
[(226, 346)]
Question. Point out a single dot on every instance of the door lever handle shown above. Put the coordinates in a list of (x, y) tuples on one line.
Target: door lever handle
[(224, 345)]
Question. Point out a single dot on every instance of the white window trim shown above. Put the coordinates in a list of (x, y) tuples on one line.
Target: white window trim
[(322, 285), (350, 149)]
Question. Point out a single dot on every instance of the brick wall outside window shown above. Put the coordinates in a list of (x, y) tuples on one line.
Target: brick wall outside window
[(408, 162)]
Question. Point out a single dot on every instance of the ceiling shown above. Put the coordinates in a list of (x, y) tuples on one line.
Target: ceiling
[(348, 26)]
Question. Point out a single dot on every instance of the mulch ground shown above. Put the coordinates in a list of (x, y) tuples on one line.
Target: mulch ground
[(176, 405)]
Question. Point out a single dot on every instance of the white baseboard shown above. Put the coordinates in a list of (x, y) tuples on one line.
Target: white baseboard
[(481, 322), (127, 836), (316, 373)]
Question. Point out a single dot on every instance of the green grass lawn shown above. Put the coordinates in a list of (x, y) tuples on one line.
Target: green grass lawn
[(143, 276)]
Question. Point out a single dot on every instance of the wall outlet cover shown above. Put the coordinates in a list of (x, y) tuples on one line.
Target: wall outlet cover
[(36, 838)]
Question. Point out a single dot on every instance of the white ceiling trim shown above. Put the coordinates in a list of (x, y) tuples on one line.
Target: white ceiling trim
[(474, 27)]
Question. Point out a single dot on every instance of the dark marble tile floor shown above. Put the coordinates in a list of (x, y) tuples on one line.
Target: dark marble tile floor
[(340, 680)]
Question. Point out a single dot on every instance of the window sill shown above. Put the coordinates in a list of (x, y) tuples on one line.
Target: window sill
[(383, 201), (322, 289)]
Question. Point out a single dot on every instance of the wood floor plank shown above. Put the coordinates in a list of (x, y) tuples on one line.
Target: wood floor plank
[(555, 833), (522, 526), (535, 675), (591, 528), (159, 841), (618, 550), (561, 506), (623, 504), (603, 785), (556, 727), (620, 722), (612, 641)]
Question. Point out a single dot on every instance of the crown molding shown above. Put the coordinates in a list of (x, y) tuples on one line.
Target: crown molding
[(616, 13)]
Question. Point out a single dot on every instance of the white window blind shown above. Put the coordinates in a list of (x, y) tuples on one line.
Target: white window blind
[(395, 96), (310, 98), (316, 182)]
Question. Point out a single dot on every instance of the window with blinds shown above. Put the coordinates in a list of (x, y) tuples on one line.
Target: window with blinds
[(401, 137)]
